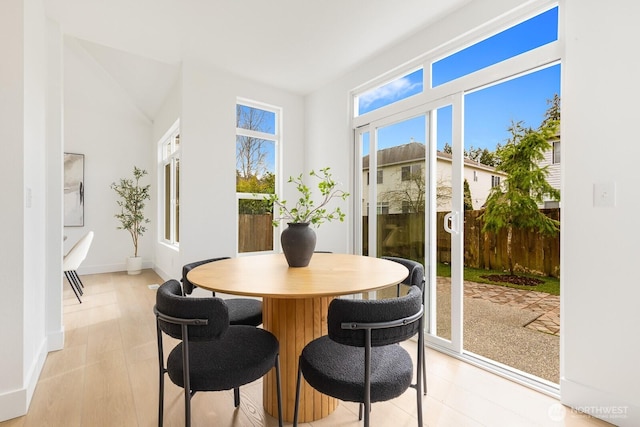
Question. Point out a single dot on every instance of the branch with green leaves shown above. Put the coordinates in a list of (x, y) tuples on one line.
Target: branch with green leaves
[(305, 209)]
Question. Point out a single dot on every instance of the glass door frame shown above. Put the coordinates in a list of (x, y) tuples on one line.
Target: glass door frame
[(430, 112), (454, 345)]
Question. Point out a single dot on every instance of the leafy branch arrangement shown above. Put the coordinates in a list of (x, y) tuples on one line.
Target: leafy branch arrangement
[(305, 210), (133, 197)]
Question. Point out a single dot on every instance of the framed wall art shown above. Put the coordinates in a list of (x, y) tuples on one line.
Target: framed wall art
[(73, 190)]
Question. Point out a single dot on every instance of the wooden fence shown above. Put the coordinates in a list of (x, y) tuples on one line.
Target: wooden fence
[(255, 232), (402, 235)]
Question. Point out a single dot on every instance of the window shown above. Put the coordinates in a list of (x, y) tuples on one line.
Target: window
[(495, 181), (556, 152), (389, 93), (526, 36), (407, 207), (379, 177), (257, 140), (382, 208), (475, 176), (411, 172), (170, 167)]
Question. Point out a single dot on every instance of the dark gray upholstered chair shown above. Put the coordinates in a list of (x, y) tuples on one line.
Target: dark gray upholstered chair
[(359, 360), (212, 355), (242, 311), (415, 278)]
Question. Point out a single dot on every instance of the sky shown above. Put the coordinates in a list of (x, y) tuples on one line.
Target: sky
[(489, 111)]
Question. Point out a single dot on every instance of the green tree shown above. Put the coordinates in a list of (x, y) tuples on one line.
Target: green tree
[(480, 155), (255, 185), (514, 205), (468, 201), (552, 115)]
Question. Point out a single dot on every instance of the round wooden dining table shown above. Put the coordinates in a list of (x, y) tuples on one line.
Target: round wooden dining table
[(294, 306)]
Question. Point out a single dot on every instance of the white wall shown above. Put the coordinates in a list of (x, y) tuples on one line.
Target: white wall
[(102, 122), (208, 207), (600, 312), (600, 350), (22, 124)]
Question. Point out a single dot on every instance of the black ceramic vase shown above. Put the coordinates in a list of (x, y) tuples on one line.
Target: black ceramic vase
[(298, 243)]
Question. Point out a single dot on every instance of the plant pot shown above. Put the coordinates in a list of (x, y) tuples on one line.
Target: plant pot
[(134, 265), (298, 243)]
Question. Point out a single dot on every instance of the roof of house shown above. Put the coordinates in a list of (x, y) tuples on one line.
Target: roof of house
[(410, 153)]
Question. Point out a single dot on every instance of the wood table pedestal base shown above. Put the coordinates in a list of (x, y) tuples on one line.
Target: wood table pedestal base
[(295, 322)]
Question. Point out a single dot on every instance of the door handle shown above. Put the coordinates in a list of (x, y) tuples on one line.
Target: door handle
[(451, 223)]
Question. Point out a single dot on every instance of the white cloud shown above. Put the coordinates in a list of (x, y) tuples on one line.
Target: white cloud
[(390, 92)]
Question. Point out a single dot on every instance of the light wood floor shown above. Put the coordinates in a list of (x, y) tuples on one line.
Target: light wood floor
[(107, 376)]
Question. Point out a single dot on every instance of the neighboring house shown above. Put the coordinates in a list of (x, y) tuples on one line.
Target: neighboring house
[(552, 161), (401, 180)]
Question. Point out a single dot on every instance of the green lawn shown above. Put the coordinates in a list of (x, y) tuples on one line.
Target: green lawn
[(551, 285)]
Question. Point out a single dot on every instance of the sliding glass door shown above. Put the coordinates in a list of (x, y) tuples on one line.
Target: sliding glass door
[(411, 196)]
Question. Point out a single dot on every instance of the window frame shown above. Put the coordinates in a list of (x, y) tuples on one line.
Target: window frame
[(276, 137), (556, 157), (171, 158)]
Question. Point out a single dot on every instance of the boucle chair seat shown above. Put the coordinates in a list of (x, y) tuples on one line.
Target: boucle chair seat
[(212, 355), (343, 377), (360, 359)]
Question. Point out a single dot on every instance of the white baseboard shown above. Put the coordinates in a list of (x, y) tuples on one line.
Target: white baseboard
[(15, 403), (110, 268), (163, 275), (599, 404), (55, 340)]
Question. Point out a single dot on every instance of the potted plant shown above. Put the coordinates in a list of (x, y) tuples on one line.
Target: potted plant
[(298, 239), (132, 201)]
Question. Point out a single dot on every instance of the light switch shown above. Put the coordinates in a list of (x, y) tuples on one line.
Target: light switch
[(604, 194), (27, 198)]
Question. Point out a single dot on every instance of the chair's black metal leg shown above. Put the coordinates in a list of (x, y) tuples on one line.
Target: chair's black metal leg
[(278, 387), (367, 378), (236, 397), (421, 366), (75, 273), (75, 291), (161, 372), (74, 278), (186, 377), (360, 411), (424, 374), (75, 282), (297, 403)]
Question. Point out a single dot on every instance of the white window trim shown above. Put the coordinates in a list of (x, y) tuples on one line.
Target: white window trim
[(276, 137), (163, 161)]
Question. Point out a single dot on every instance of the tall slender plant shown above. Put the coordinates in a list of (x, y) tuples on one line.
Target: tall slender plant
[(132, 201)]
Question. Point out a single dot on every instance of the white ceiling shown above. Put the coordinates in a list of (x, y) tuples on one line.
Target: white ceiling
[(297, 45)]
